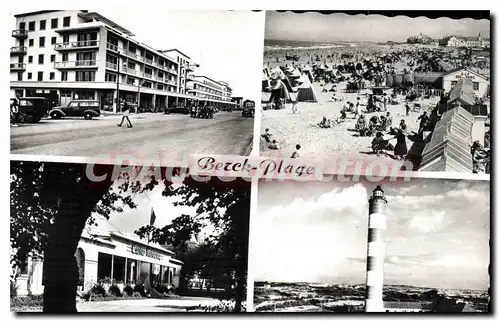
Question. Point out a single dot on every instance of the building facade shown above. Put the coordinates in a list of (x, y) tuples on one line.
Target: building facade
[(76, 54), (480, 84), (210, 92), (111, 256), (469, 42)]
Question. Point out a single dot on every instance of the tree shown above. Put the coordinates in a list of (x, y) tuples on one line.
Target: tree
[(227, 207), (50, 205)]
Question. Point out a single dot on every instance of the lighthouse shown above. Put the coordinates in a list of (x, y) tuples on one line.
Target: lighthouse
[(375, 252)]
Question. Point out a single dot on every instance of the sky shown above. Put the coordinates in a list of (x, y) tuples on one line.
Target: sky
[(437, 233), (132, 219), (228, 46), (340, 26)]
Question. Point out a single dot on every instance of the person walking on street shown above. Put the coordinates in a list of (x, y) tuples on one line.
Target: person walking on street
[(14, 110), (126, 112)]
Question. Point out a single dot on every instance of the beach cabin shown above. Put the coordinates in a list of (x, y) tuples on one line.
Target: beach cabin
[(479, 82)]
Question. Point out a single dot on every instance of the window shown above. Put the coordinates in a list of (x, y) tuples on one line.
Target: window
[(475, 86), (30, 75), (130, 81), (52, 75), (40, 59), (66, 38), (20, 76), (53, 40), (31, 42), (41, 42), (453, 83), (64, 76), (42, 24), (111, 77), (30, 59), (66, 21), (52, 58), (40, 76), (53, 23), (85, 76), (65, 57), (31, 26)]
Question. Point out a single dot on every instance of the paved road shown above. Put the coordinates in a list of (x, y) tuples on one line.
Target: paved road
[(153, 134), (146, 305)]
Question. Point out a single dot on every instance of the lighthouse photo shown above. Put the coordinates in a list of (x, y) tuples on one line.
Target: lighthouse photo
[(370, 247)]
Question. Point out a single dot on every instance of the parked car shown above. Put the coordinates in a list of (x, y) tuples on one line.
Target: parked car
[(248, 109), (86, 108), (31, 109)]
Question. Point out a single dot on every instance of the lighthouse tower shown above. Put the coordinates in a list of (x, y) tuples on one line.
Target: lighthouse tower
[(376, 252)]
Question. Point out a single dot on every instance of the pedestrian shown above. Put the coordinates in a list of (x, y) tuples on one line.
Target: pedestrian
[(400, 150), (295, 153), (407, 106), (424, 122), (358, 108), (14, 110), (126, 112), (378, 143), (385, 102), (388, 120)]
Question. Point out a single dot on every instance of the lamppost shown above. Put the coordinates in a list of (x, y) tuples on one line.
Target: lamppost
[(118, 105), (139, 84)]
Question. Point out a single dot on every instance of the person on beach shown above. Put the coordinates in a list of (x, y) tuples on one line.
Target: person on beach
[(400, 150), (126, 112), (407, 107), (358, 108), (273, 145), (424, 121), (385, 102), (295, 153), (378, 143), (267, 136), (388, 120)]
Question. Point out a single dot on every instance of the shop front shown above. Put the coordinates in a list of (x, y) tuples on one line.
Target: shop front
[(111, 259)]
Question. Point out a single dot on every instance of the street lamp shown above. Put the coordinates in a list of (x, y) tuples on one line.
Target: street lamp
[(140, 82)]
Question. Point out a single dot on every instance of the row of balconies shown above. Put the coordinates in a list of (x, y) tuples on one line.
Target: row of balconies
[(64, 46), (140, 58), (134, 72)]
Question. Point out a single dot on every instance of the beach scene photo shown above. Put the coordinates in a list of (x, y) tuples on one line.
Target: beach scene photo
[(413, 93)]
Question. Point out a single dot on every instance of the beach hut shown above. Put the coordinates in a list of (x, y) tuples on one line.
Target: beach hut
[(305, 91), (449, 147)]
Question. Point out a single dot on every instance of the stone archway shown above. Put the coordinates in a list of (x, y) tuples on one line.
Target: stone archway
[(80, 260)]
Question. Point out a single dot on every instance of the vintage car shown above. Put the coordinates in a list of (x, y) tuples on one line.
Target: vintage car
[(86, 108), (31, 109), (248, 109)]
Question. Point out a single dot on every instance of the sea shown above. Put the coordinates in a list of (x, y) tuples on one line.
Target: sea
[(276, 44)]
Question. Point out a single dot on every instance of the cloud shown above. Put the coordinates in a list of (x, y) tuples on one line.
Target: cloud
[(428, 221)]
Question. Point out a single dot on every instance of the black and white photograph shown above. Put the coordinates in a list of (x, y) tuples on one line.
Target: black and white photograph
[(412, 92), (130, 243), (416, 246), (134, 80)]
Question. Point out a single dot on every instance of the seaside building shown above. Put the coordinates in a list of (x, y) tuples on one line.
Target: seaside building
[(77, 54), (110, 255), (375, 252), (451, 78), (238, 101), (209, 91), (469, 42)]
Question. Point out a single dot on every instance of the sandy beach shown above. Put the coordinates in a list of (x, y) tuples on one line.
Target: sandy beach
[(321, 144)]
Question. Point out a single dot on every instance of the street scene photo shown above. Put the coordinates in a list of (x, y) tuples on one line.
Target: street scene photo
[(415, 246), (413, 93), (134, 81), (137, 242)]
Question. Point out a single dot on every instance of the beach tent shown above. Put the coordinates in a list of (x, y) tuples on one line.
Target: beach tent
[(305, 91), (278, 91)]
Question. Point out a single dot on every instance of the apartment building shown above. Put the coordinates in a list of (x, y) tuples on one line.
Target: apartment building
[(211, 92), (77, 54)]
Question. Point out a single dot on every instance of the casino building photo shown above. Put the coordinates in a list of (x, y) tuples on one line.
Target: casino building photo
[(107, 257)]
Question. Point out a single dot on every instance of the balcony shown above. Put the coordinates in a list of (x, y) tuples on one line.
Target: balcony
[(147, 76), (127, 70), (111, 66), (20, 33), (19, 50), (112, 47), (66, 46), (18, 66), (75, 64)]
